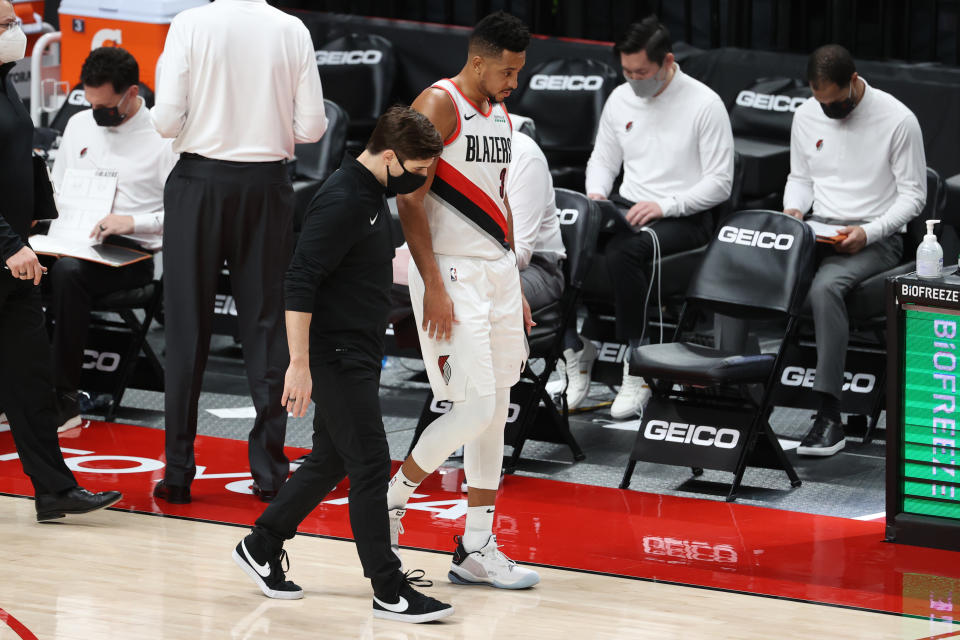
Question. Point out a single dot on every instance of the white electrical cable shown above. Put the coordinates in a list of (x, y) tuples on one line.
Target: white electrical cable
[(656, 270)]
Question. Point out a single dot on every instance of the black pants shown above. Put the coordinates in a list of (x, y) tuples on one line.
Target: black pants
[(629, 263), (26, 386), (348, 441), (74, 285), (241, 213)]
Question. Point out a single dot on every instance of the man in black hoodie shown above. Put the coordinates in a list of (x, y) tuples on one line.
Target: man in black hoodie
[(26, 377)]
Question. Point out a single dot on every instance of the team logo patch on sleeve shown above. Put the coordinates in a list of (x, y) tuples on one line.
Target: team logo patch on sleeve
[(445, 368)]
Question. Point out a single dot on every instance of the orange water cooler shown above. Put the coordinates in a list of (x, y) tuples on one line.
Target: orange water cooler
[(139, 26)]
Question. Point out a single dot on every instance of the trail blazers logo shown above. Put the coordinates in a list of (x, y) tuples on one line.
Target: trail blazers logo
[(445, 368), (819, 144)]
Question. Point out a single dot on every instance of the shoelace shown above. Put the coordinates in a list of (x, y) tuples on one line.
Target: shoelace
[(500, 555), (282, 559), (415, 578)]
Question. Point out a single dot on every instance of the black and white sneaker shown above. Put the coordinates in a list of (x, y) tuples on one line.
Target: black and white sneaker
[(411, 605), (269, 574), (825, 438)]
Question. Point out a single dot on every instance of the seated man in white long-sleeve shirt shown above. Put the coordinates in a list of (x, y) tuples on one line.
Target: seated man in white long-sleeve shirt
[(672, 136), (856, 158), (116, 134), (536, 229)]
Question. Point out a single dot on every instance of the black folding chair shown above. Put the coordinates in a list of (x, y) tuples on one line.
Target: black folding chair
[(579, 226), (149, 299), (758, 266)]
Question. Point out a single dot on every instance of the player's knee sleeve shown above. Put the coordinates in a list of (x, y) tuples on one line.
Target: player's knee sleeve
[(463, 423), (483, 456)]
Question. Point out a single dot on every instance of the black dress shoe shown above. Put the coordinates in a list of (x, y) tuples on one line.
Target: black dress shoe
[(265, 496), (76, 500), (172, 493), (825, 438)]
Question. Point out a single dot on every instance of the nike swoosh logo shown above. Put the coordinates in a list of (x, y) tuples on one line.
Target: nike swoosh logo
[(262, 569), (399, 607), (374, 219), (468, 117)]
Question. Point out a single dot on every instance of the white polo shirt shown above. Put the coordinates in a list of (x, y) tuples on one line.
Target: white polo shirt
[(868, 169), (676, 149), (238, 81), (136, 151), (536, 228)]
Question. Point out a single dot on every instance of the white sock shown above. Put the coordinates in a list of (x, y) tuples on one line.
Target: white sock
[(479, 528), (399, 490)]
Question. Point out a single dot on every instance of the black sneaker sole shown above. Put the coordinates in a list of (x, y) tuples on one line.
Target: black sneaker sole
[(258, 580), (61, 513), (439, 614)]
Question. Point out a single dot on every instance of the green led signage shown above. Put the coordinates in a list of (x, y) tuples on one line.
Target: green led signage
[(930, 474)]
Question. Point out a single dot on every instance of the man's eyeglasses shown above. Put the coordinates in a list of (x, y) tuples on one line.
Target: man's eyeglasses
[(16, 23)]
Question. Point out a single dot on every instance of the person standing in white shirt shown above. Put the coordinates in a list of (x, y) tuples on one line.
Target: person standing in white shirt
[(237, 87), (856, 158), (116, 134), (671, 135), (536, 229)]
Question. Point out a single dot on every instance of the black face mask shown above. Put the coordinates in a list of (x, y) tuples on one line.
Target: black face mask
[(109, 116), (406, 182), (841, 108)]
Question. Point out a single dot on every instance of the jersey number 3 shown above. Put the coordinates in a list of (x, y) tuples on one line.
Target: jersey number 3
[(503, 188)]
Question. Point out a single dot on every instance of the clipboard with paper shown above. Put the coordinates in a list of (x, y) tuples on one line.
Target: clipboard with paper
[(826, 233), (85, 197)]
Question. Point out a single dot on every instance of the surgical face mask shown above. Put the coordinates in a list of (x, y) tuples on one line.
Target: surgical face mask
[(406, 182), (841, 108), (109, 116), (648, 87), (13, 45)]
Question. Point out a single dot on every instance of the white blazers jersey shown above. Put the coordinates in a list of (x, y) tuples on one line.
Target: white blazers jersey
[(465, 205)]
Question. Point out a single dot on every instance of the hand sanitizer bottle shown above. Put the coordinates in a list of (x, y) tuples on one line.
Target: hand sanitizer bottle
[(930, 254)]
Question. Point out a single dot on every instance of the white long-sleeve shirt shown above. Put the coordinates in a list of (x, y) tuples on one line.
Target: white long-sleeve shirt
[(142, 159), (676, 148), (868, 169), (238, 81), (529, 188)]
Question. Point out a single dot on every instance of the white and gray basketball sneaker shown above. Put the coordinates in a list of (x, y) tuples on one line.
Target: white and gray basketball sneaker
[(489, 566), (396, 528)]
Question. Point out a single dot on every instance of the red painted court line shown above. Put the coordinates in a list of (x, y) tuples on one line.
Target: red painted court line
[(706, 543), (16, 626), (953, 634)]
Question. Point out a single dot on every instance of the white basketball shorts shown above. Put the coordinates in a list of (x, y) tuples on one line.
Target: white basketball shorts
[(488, 348)]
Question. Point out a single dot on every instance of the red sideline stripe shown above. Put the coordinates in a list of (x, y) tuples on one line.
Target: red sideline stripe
[(17, 626), (475, 194)]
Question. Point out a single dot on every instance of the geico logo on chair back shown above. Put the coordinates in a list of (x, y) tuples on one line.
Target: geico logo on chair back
[(802, 377), (106, 361), (370, 56), (225, 305), (768, 102), (753, 238), (568, 216), (77, 98), (542, 82), (699, 435)]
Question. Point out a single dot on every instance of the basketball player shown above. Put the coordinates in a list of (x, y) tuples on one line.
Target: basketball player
[(465, 290)]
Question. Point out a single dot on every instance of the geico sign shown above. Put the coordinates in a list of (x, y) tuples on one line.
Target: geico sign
[(690, 550), (370, 56), (752, 238), (77, 98), (540, 82), (106, 361), (767, 102), (568, 216), (699, 435), (444, 406), (225, 305), (802, 377)]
